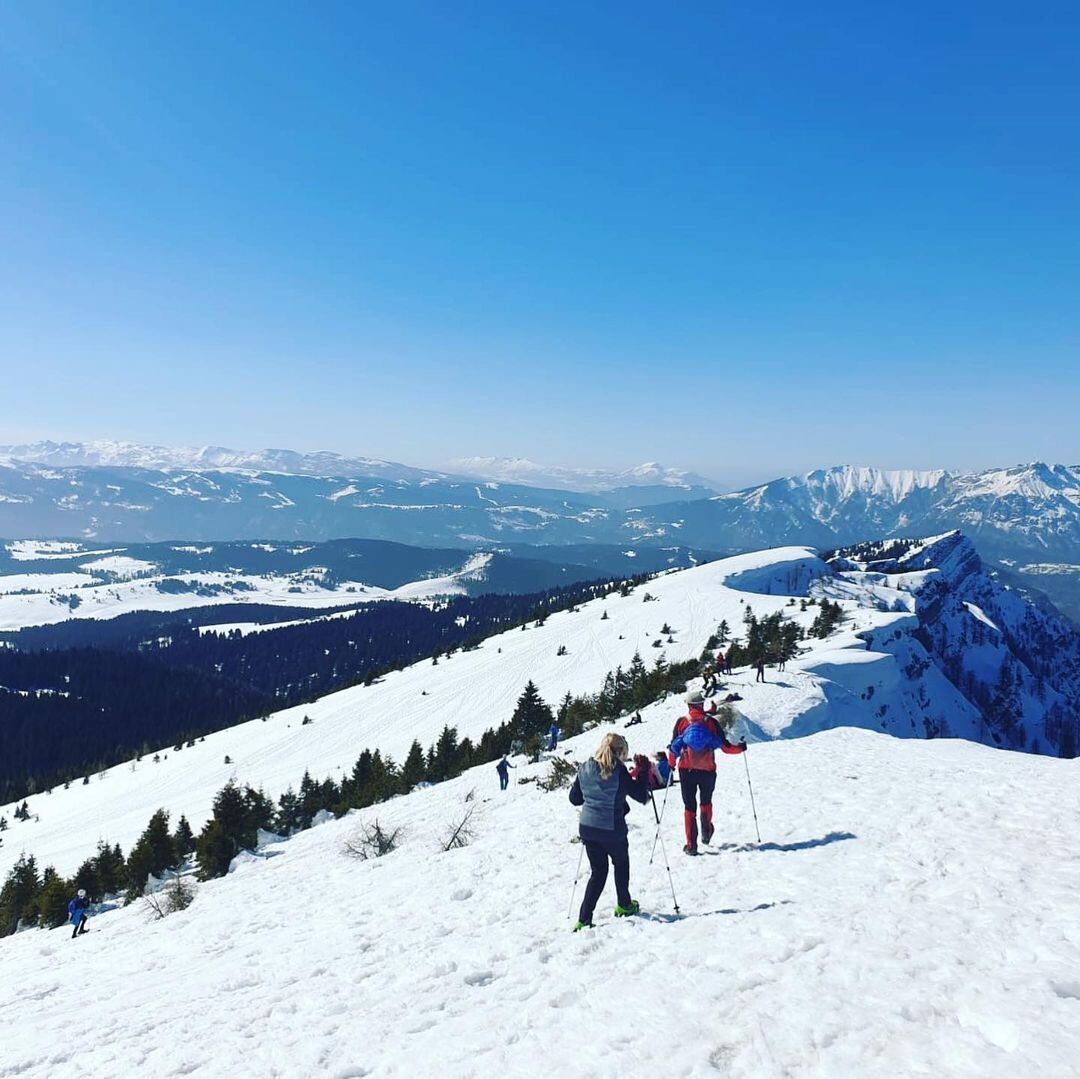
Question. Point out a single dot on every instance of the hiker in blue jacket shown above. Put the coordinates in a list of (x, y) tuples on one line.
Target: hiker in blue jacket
[(77, 913), (553, 738), (503, 768), (602, 786)]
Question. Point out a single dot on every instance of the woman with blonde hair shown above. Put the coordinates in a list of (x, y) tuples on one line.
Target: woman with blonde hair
[(602, 786)]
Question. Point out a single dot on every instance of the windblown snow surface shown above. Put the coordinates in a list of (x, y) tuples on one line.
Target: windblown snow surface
[(910, 911)]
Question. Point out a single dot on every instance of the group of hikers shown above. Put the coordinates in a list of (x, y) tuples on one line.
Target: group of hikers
[(604, 783), (711, 675)]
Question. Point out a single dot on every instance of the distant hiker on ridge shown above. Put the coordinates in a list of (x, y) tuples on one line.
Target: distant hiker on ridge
[(760, 666), (695, 738), (503, 768), (77, 913), (602, 786), (553, 737)]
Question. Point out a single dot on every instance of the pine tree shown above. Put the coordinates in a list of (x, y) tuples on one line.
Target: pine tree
[(111, 869), (215, 851), (184, 838), (444, 759), (532, 717), (415, 768), (53, 899), (18, 896), (287, 817), (309, 800), (153, 853), (87, 877)]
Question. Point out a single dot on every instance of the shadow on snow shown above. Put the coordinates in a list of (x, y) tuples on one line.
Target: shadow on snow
[(803, 844)]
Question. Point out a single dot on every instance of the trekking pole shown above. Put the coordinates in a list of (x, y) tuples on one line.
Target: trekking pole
[(663, 851), (577, 877), (660, 817), (753, 805)]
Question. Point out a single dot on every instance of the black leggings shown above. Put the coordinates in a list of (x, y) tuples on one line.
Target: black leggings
[(693, 780), (598, 852)]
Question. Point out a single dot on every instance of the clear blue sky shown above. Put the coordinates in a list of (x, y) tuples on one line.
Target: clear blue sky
[(743, 238)]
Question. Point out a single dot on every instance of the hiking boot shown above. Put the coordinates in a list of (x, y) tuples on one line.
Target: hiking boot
[(688, 849), (707, 830), (625, 912), (583, 925)]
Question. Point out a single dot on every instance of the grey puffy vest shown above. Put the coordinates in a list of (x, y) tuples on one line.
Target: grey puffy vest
[(601, 795)]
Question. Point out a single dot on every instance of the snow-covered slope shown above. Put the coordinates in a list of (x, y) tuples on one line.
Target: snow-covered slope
[(45, 582), (881, 670), (108, 588), (910, 912)]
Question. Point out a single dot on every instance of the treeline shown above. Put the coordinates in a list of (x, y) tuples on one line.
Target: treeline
[(129, 632), (28, 898), (72, 713), (80, 710)]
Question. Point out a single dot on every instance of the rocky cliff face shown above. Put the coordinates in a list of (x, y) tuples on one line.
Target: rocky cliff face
[(1016, 665)]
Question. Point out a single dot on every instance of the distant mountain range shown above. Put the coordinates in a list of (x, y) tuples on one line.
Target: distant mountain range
[(520, 470), (512, 470), (1024, 520)]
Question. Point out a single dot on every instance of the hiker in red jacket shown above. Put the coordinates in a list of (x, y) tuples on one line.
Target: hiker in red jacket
[(696, 737)]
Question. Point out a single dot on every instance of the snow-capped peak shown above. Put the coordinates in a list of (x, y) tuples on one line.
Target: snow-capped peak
[(844, 481)]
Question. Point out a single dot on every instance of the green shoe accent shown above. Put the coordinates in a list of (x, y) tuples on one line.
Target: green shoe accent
[(583, 925), (625, 912)]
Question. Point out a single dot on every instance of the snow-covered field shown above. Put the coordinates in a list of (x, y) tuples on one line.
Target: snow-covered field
[(35, 599), (910, 912)]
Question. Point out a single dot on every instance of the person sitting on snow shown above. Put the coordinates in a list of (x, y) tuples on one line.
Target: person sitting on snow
[(696, 737)]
